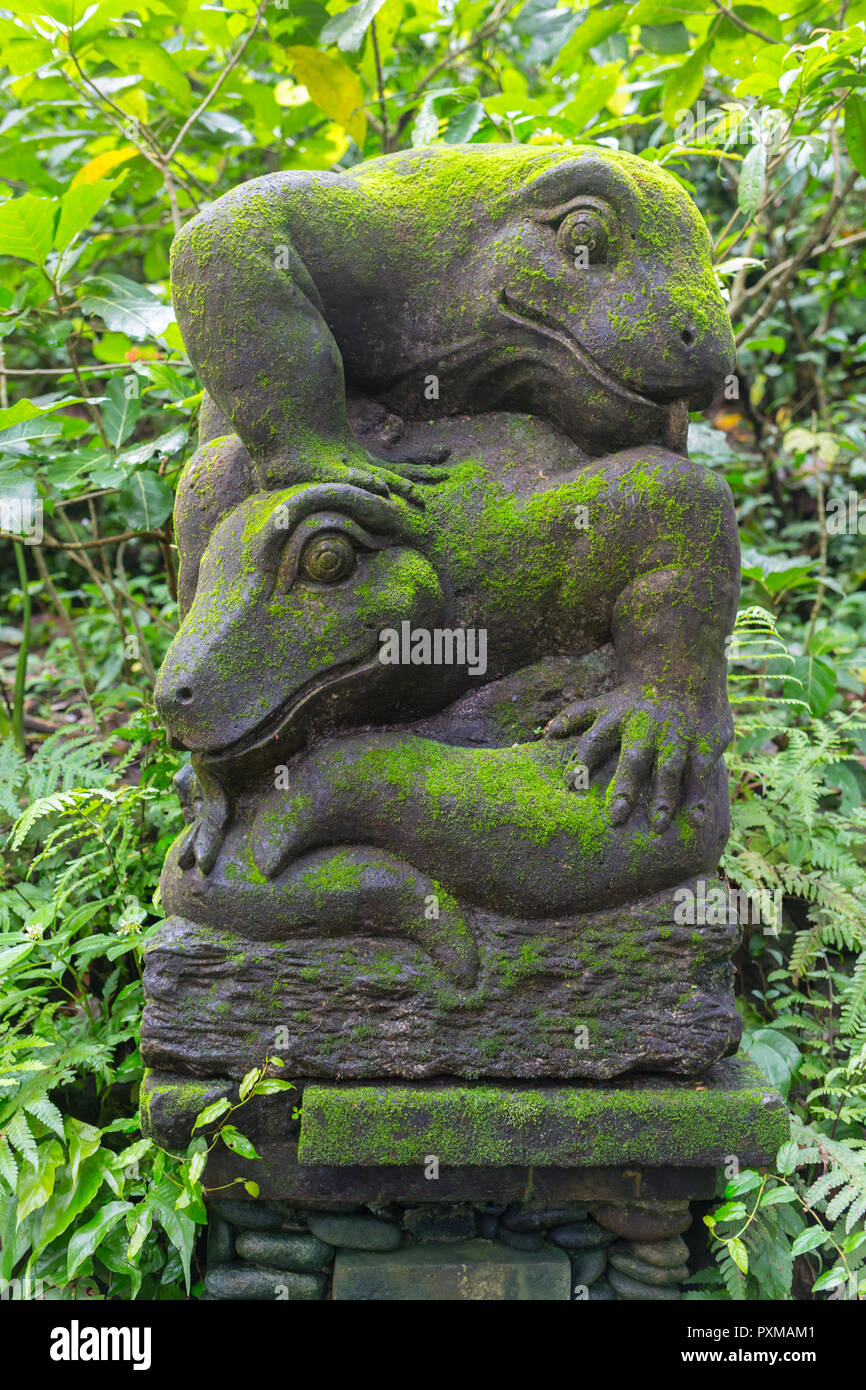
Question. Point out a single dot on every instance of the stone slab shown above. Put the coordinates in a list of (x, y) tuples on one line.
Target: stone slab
[(280, 1177), (466, 1270), (651, 1121)]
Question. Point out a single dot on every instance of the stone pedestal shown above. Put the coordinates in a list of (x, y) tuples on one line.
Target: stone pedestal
[(453, 1192)]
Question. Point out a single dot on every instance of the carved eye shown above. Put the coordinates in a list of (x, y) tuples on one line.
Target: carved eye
[(327, 558), (584, 230)]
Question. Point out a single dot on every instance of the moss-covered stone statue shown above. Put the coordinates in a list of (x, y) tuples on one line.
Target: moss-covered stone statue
[(447, 399)]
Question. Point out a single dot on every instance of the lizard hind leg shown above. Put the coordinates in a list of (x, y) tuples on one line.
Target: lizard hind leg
[(357, 889)]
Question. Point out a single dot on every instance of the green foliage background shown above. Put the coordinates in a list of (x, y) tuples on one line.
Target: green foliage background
[(116, 125)]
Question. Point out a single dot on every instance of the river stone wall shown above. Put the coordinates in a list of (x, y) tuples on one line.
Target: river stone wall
[(287, 1251)]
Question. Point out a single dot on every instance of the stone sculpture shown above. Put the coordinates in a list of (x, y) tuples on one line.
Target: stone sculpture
[(447, 399)]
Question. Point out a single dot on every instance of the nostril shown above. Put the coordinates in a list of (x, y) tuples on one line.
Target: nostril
[(687, 336), (184, 695)]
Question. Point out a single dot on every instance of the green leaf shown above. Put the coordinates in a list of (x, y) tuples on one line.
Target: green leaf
[(463, 126), (10, 958), (786, 1158), (248, 1082), (598, 25), (811, 679), (777, 572), (45, 1110), (86, 1240), (238, 1142), (772, 343), (151, 62), (69, 1199), (739, 1255), (179, 1227), (169, 443), (774, 1196), (82, 1139), (126, 307), (121, 410), (425, 127), (27, 227), (131, 1154), (140, 1231), (20, 1136), (774, 1055), (270, 1087), (684, 86), (8, 1165), (831, 1280), (752, 178), (145, 501), (36, 1185), (197, 1165), (592, 94), (746, 1181), (810, 1239), (78, 207), (665, 38), (347, 30), (212, 1112), (252, 1188), (855, 132), (731, 1211)]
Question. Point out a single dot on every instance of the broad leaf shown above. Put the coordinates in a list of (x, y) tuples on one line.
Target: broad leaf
[(128, 308), (347, 30), (27, 227), (145, 501), (87, 1239), (333, 86)]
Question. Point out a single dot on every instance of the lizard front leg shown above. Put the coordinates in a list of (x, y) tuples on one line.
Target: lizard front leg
[(253, 324), (668, 715)]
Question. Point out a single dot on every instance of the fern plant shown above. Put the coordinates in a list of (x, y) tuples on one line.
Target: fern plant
[(797, 829)]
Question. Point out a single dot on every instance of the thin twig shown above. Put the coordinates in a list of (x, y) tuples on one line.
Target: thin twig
[(94, 544), (741, 23), (230, 65), (380, 84)]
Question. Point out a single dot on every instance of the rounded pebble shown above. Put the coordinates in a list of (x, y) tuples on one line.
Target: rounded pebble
[(302, 1253), (355, 1232)]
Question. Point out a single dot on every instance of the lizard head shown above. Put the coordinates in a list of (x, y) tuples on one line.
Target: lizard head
[(608, 284), (293, 591), (573, 282)]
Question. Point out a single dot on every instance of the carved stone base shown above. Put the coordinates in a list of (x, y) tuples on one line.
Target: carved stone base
[(470, 1192), (597, 996)]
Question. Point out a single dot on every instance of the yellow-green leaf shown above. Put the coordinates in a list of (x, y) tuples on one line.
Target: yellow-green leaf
[(855, 132), (333, 86), (103, 164)]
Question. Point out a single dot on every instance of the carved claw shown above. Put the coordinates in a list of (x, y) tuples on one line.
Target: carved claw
[(204, 839)]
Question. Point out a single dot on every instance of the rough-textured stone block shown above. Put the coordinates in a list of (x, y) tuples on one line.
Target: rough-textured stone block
[(653, 1120), (473, 1269), (592, 996)]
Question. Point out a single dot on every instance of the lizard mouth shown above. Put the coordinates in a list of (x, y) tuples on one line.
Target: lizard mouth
[(542, 323), (275, 727)]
